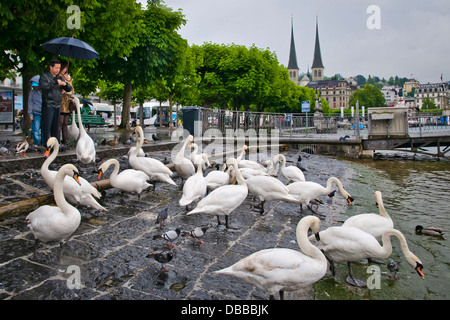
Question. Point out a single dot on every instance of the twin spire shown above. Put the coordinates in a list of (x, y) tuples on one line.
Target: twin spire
[(317, 66)]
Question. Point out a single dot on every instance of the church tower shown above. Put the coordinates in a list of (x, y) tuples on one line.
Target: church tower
[(292, 65), (317, 66)]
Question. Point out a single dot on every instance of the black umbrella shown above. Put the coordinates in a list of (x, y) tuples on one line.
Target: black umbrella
[(71, 48)]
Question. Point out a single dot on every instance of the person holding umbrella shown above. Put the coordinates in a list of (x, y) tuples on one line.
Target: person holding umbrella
[(52, 84), (65, 102)]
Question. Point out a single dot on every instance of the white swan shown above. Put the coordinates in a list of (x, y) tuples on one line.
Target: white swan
[(217, 178), (225, 199), (290, 173), (72, 130), (372, 223), (201, 157), (280, 269), (85, 146), (242, 163), (82, 193), (268, 188), (154, 168), (306, 191), (194, 188), (128, 180), (348, 244), (49, 223), (183, 166)]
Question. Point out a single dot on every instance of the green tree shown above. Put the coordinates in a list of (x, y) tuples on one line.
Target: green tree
[(157, 50), (108, 26), (369, 97), (428, 103)]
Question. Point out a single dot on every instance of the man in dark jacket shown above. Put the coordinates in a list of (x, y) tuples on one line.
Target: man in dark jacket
[(52, 84)]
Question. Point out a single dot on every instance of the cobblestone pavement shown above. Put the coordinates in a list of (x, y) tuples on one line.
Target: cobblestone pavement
[(108, 252)]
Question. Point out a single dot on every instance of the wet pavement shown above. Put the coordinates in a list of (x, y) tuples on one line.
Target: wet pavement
[(107, 257)]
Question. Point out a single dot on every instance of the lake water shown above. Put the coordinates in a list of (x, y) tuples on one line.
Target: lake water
[(414, 193)]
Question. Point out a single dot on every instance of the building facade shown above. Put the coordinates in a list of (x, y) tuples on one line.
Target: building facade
[(439, 93), (336, 92)]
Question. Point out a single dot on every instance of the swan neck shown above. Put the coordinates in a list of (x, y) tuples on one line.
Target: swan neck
[(387, 244), (58, 192), (116, 165), (80, 123), (338, 183), (381, 208), (303, 242)]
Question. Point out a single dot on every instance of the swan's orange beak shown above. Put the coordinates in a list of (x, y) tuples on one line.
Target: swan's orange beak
[(350, 200), (47, 152), (419, 269), (75, 176), (100, 172)]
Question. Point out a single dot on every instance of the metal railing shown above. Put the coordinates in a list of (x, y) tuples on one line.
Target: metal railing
[(300, 124)]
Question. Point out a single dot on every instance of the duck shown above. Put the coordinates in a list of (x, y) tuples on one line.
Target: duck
[(372, 223), (202, 157), (224, 200), (430, 231), (83, 194), (183, 166), (290, 173), (23, 145), (129, 180), (307, 191), (114, 142), (268, 188), (194, 188), (349, 244), (72, 130), (277, 270), (218, 178), (154, 168), (85, 149), (55, 223)]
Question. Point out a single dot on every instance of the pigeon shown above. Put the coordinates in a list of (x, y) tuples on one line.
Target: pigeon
[(162, 216), (299, 164), (393, 268), (170, 236), (430, 231), (197, 233), (4, 151), (155, 138), (103, 143), (162, 257), (344, 138)]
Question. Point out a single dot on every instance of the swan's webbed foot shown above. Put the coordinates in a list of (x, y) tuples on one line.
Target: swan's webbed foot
[(355, 282), (259, 207), (377, 261)]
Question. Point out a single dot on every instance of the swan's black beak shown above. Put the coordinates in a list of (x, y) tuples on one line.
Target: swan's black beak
[(317, 236), (419, 269)]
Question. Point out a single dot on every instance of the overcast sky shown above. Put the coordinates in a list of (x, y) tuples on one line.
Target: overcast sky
[(413, 38)]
